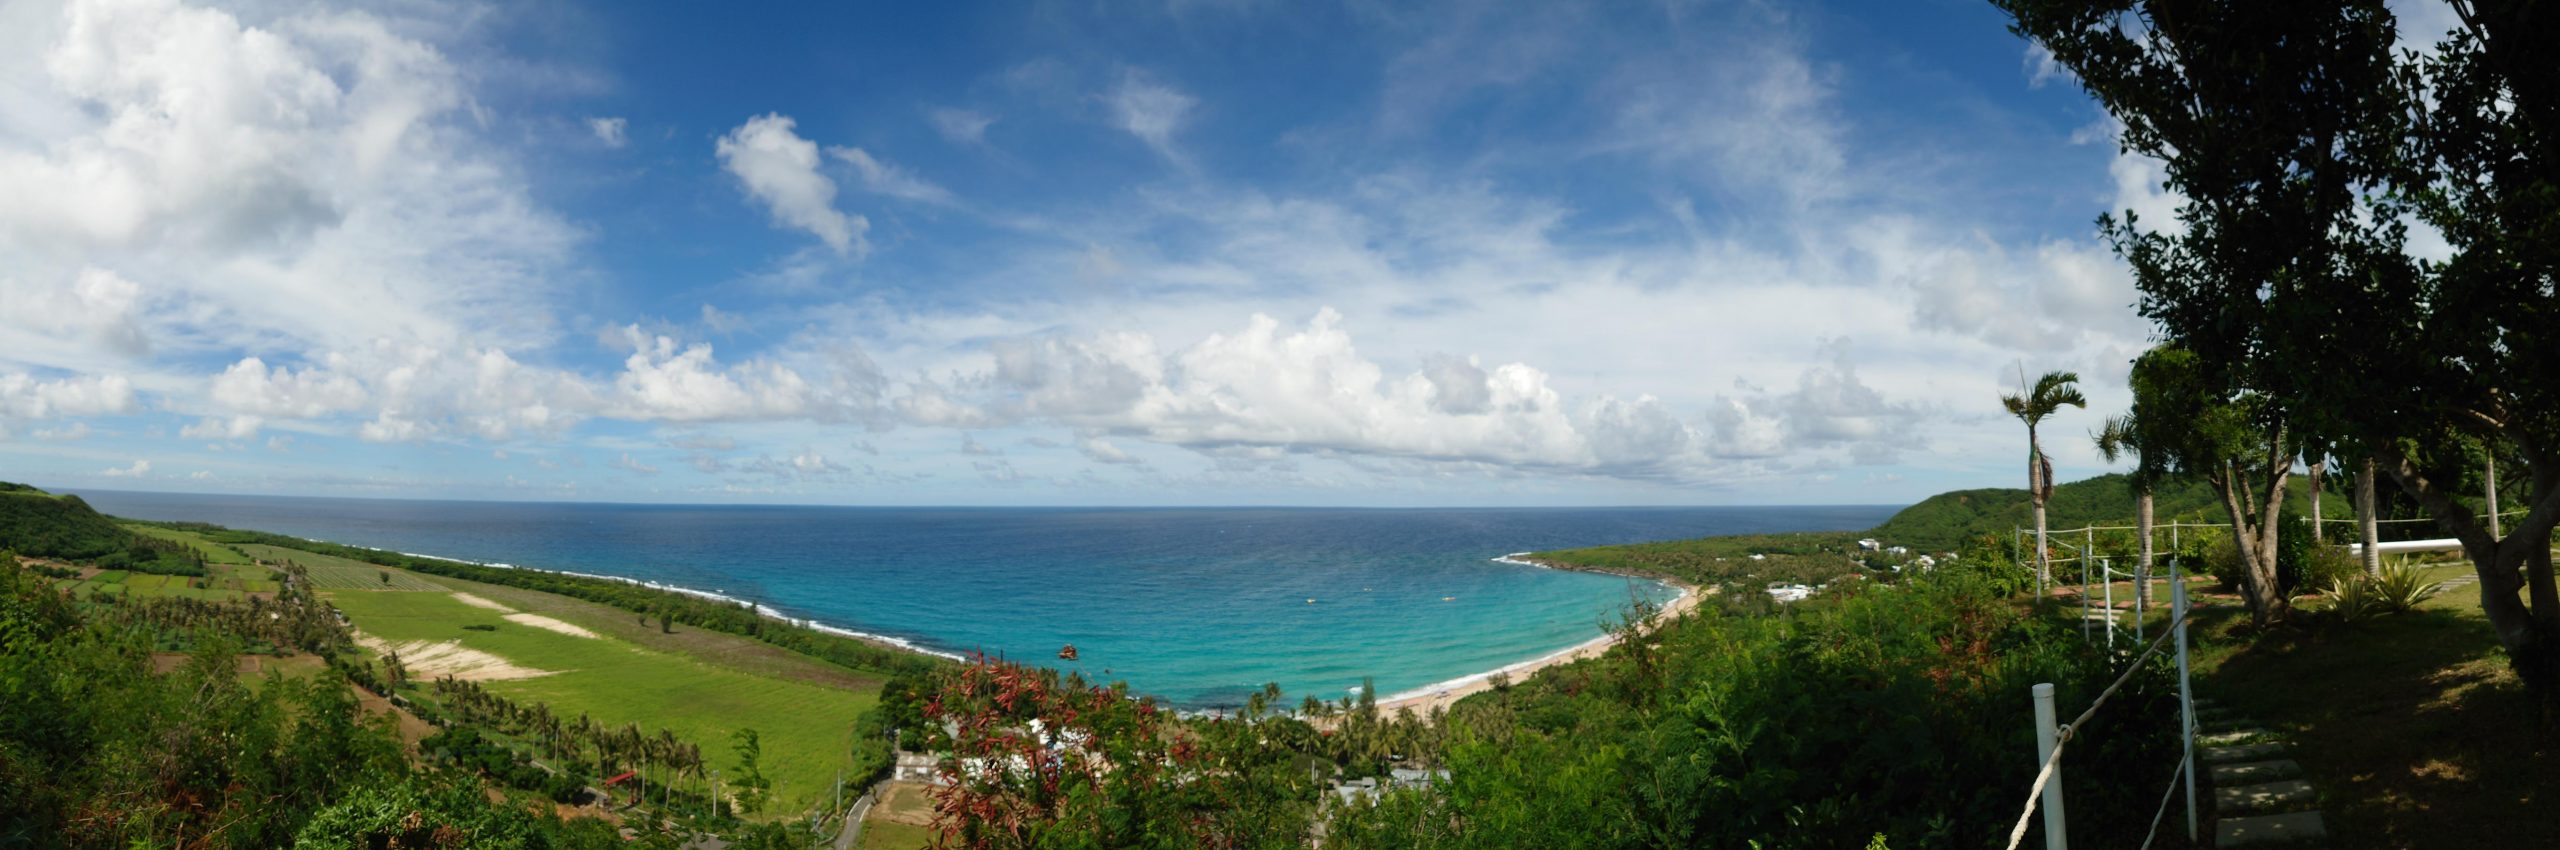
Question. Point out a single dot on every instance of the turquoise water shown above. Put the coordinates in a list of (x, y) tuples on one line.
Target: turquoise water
[(1198, 606)]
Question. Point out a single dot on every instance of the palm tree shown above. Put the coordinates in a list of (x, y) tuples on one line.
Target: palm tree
[(2031, 406), (2117, 437)]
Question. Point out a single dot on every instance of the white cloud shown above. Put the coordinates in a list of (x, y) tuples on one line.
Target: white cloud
[(251, 387), (1100, 450), (201, 475), (2043, 68), (215, 428), (626, 464), (890, 180), (24, 396), (961, 126), (139, 469), (1150, 111), (779, 169), (611, 131), (73, 431)]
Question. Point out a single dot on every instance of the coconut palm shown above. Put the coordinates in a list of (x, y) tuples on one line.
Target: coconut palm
[(2119, 437), (2031, 405)]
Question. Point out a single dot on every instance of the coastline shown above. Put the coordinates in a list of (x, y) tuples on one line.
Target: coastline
[(1439, 696), (1422, 700), (761, 609)]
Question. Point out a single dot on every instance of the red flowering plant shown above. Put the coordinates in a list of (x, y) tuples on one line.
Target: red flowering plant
[(1043, 761)]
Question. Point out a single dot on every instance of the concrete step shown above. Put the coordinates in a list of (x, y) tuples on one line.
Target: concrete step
[(2247, 772), (2239, 752), (2286, 828), (2224, 724), (2235, 736), (2278, 796)]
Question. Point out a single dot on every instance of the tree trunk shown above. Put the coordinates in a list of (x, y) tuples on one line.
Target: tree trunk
[(2035, 493), (2490, 472), (2368, 526), (2319, 470), (2254, 531), (2142, 564), (2517, 590)]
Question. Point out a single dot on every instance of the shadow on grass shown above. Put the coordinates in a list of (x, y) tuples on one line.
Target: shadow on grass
[(2411, 726)]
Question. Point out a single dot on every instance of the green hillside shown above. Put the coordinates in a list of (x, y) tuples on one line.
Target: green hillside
[(1942, 522), (36, 523)]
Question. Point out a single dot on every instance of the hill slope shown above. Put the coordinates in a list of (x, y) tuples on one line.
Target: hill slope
[(36, 523), (1942, 522)]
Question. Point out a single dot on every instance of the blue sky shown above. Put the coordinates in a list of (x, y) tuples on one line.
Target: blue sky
[(1190, 252)]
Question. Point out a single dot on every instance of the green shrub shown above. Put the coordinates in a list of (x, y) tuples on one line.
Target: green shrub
[(2352, 598), (2397, 589), (2401, 588)]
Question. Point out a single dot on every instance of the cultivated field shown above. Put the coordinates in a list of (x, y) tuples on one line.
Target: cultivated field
[(806, 729), (329, 572)]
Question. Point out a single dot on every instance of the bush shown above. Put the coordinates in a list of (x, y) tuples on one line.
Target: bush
[(2401, 588), (2397, 589)]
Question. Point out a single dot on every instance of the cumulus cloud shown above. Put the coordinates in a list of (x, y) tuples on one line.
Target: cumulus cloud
[(251, 387), (610, 131), (24, 396), (626, 464), (779, 169), (1308, 389), (140, 468), (664, 381), (303, 179)]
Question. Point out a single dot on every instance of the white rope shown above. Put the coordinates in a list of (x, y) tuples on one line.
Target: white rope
[(2063, 735), (2165, 796)]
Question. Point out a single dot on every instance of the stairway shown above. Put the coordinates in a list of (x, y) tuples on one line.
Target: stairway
[(2259, 797)]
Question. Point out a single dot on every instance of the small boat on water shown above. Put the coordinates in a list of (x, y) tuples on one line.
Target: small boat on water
[(1067, 652)]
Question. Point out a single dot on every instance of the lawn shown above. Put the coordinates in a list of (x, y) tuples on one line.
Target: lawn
[(806, 728), (2412, 726)]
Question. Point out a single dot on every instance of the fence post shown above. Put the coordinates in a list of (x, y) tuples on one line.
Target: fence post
[(2084, 595), (2106, 573), (2186, 694), (2054, 834)]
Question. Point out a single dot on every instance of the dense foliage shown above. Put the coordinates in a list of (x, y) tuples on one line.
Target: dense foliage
[(99, 750), (41, 525), (1807, 558), (1939, 523), (1892, 710)]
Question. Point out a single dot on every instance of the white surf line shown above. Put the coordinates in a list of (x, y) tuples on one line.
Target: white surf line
[(1678, 593), (759, 608)]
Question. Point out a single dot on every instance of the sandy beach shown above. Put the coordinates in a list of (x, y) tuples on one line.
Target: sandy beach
[(1442, 698)]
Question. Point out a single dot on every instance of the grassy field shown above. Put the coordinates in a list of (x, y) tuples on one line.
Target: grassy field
[(228, 574), (806, 728), (2412, 726), (214, 553), (329, 572), (892, 835)]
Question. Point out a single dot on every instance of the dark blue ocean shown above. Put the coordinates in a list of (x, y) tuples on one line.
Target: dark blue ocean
[(1197, 606)]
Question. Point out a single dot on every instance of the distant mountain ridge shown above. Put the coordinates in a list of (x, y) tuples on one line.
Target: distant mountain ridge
[(1944, 521)]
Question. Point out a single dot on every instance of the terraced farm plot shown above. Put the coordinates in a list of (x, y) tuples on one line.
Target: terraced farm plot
[(214, 553), (806, 729), (329, 572)]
